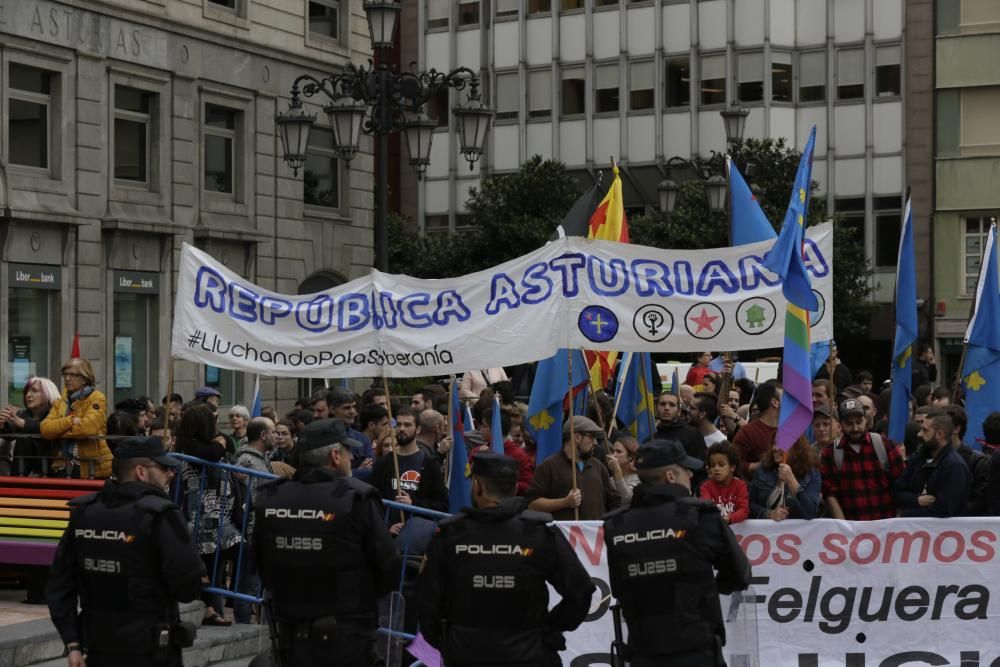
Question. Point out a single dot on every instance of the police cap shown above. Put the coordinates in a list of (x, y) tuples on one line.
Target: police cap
[(323, 432), (661, 453), (494, 466), (145, 448)]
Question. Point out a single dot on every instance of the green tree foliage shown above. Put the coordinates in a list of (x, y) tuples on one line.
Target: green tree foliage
[(513, 214)]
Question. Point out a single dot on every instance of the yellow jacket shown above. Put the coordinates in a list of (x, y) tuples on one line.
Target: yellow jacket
[(92, 412)]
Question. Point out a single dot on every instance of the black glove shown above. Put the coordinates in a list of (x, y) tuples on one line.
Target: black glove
[(554, 640)]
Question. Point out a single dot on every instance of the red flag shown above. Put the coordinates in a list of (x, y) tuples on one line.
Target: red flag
[(75, 352)]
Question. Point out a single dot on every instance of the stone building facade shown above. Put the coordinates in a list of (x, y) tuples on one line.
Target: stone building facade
[(130, 127)]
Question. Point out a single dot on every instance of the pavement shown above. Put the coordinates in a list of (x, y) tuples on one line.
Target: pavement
[(12, 610)]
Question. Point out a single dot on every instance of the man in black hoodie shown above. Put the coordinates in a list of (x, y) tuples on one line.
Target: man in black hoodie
[(672, 426)]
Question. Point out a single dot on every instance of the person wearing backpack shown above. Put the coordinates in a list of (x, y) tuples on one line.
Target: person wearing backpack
[(859, 470)]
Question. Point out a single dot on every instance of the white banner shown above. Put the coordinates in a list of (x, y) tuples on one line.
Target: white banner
[(824, 592), (572, 293)]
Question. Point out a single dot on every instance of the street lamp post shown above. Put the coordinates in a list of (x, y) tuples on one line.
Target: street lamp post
[(710, 171), (380, 100)]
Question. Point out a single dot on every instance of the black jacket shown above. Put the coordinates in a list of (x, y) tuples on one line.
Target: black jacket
[(27, 449), (129, 559), (693, 441), (946, 477), (661, 554), (482, 594), (979, 465)]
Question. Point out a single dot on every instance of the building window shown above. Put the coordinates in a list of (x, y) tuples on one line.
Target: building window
[(749, 77), (605, 3), (226, 382), (976, 231), (507, 97), (436, 224), (812, 76), (437, 13), (228, 4), (321, 173), (468, 12), (132, 138), (606, 88), (640, 83), (133, 323), (29, 104), (573, 91), (888, 213), (781, 76), (507, 7), (220, 148), (540, 94), (851, 74), (678, 82), (324, 18), (713, 79), (31, 324), (851, 214), (437, 107), (887, 80), (977, 132), (567, 5)]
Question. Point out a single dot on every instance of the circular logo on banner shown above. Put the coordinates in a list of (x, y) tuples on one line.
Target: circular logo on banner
[(598, 324), (704, 320), (653, 323), (756, 315), (815, 316)]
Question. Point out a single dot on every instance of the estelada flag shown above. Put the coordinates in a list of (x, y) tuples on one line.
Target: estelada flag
[(607, 223)]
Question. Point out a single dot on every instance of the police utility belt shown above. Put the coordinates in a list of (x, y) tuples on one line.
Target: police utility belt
[(322, 629), (180, 634)]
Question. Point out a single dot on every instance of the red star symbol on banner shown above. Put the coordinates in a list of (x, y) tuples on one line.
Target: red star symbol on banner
[(704, 321)]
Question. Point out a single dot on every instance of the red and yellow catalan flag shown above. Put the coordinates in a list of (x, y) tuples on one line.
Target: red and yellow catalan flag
[(607, 223)]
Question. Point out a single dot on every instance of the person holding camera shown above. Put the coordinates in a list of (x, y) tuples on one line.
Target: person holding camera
[(123, 564)]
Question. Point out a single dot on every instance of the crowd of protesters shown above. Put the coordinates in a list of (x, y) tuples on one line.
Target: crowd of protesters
[(844, 467)]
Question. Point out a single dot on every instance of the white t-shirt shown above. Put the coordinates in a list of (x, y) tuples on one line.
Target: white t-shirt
[(714, 437)]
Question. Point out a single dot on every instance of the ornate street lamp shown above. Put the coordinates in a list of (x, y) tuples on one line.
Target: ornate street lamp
[(735, 120), (715, 188), (380, 100), (668, 195)]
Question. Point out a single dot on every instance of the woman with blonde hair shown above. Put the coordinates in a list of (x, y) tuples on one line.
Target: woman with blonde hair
[(29, 448), (79, 420)]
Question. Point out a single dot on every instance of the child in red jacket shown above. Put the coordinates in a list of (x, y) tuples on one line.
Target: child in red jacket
[(728, 492)]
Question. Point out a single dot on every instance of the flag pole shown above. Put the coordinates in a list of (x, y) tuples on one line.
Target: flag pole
[(650, 409), (622, 374), (395, 446), (451, 430), (170, 390), (965, 341), (572, 431)]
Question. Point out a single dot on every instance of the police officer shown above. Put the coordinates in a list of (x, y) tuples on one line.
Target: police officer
[(483, 595), (127, 557), (661, 552), (323, 553)]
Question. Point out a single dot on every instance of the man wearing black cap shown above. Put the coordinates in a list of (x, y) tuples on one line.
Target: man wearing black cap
[(661, 554), (126, 559), (482, 592), (323, 553), (343, 405)]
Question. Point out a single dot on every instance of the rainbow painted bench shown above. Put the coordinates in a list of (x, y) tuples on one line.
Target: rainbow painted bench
[(34, 512)]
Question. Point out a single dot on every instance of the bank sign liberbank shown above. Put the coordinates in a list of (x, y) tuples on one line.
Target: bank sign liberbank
[(81, 30)]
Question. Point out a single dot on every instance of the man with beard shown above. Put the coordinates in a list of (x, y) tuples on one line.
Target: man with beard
[(419, 474), (551, 489), (482, 593), (671, 425), (858, 471), (936, 480)]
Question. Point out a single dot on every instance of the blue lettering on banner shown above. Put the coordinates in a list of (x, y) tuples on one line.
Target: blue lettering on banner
[(683, 278), (271, 309), (569, 265), (449, 305), (354, 312), (386, 315), (752, 273), (814, 260), (315, 315), (243, 302), (408, 314), (537, 286), (607, 278), (210, 289), (651, 277), (717, 274), (503, 292)]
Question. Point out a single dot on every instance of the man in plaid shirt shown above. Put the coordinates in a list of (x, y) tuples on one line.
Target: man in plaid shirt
[(860, 489)]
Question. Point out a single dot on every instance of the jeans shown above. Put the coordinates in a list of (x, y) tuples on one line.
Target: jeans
[(248, 584)]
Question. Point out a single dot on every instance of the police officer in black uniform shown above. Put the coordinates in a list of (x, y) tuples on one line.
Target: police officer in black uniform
[(661, 555), (127, 558), (483, 598), (324, 553)]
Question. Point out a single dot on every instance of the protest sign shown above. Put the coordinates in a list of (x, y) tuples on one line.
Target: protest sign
[(825, 592), (572, 293)]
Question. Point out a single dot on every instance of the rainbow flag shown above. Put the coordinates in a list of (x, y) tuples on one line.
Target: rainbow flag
[(607, 223), (785, 259)]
